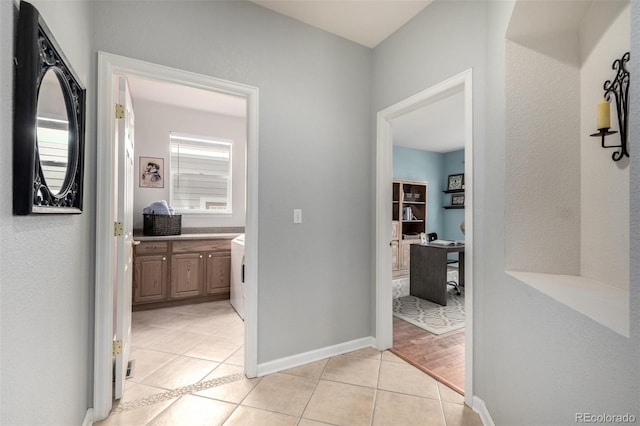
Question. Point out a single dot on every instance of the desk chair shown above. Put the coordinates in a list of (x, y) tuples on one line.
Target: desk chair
[(432, 236)]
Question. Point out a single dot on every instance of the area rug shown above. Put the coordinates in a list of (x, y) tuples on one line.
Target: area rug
[(429, 316)]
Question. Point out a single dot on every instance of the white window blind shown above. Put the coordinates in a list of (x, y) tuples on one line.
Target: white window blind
[(200, 174), (53, 150)]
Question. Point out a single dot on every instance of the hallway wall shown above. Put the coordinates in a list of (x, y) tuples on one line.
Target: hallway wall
[(47, 261)]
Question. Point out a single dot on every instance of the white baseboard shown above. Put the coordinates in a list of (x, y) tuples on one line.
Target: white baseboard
[(481, 408), (312, 356), (88, 418)]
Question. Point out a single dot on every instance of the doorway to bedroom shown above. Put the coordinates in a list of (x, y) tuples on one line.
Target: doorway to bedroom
[(424, 198)]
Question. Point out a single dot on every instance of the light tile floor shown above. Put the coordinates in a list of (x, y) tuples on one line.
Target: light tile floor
[(189, 371)]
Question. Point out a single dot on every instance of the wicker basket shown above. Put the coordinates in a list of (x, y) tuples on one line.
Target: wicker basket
[(161, 224)]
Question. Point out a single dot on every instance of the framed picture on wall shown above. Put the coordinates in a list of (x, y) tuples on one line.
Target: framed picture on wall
[(457, 200), (151, 172), (455, 182)]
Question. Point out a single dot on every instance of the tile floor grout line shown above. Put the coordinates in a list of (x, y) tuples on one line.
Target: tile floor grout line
[(375, 390), (386, 390), (315, 387), (375, 404), (177, 392), (444, 418)]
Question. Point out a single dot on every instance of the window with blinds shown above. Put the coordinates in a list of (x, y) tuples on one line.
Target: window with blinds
[(200, 174), (53, 150)]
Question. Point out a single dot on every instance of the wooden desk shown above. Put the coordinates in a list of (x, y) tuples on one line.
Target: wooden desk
[(428, 269)]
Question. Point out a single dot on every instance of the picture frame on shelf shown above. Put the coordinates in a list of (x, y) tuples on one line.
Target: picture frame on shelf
[(423, 238), (457, 200), (455, 182)]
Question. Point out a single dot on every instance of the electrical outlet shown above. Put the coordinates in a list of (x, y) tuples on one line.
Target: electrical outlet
[(297, 215)]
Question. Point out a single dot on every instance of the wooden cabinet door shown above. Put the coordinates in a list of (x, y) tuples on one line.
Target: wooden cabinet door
[(150, 278), (405, 256), (395, 230), (395, 256), (217, 273), (405, 253), (187, 272)]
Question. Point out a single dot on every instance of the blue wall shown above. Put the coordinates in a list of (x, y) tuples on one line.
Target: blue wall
[(453, 164), (417, 164), (433, 167)]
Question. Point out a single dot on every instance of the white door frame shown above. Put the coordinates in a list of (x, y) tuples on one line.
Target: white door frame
[(108, 66), (384, 176)]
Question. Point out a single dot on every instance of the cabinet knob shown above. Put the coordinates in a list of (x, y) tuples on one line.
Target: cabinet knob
[(200, 256), (164, 258), (209, 256)]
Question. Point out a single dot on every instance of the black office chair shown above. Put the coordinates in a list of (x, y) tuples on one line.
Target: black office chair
[(455, 285), (432, 236)]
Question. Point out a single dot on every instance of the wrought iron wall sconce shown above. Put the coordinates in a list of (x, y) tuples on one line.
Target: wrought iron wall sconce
[(619, 88)]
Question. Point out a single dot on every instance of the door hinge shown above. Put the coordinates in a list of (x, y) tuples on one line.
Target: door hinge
[(119, 111), (118, 229), (117, 347)]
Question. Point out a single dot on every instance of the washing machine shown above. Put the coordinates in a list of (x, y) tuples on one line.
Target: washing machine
[(237, 274)]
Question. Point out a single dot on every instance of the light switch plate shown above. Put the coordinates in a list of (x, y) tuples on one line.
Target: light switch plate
[(297, 215)]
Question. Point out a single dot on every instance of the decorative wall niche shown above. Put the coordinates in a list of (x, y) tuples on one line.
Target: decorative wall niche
[(561, 191)]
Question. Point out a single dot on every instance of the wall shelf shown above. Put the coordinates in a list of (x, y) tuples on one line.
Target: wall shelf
[(454, 191), (453, 207)]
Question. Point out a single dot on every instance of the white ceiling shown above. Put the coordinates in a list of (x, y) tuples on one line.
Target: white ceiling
[(437, 127), (186, 97), (367, 22)]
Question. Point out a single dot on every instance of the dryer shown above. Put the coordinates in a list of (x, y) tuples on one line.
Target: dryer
[(237, 275)]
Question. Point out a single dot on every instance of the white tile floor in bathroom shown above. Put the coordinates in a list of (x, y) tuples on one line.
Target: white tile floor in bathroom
[(189, 371)]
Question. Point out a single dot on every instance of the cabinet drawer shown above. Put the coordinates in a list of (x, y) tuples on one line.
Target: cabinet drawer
[(152, 247), (201, 246)]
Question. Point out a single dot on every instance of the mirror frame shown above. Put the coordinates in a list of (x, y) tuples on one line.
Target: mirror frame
[(36, 52)]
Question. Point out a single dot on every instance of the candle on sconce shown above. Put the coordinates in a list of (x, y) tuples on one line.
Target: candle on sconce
[(604, 115)]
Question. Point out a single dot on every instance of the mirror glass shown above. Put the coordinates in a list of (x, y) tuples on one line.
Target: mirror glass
[(53, 131)]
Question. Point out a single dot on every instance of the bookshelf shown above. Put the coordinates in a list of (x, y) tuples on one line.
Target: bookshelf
[(409, 219)]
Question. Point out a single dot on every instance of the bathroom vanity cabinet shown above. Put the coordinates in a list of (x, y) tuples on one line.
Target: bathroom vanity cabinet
[(177, 271)]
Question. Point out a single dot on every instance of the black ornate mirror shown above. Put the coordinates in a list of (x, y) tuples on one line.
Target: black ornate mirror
[(49, 120)]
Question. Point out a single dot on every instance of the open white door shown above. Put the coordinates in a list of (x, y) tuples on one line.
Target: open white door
[(124, 217)]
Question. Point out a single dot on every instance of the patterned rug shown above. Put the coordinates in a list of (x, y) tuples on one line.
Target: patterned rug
[(429, 316)]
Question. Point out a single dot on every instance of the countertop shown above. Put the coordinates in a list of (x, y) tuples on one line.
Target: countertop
[(205, 236)]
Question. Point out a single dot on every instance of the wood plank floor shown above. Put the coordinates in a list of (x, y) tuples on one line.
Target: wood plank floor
[(440, 356)]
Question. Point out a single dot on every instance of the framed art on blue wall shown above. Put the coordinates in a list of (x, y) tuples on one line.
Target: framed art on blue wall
[(457, 200), (455, 182)]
